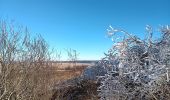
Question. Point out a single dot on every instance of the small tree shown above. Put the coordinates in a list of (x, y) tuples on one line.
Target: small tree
[(72, 56)]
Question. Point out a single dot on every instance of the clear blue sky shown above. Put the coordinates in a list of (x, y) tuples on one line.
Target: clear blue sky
[(82, 24)]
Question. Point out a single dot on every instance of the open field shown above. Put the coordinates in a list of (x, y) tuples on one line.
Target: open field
[(64, 71), (67, 66)]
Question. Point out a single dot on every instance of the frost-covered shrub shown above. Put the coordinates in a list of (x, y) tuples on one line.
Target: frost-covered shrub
[(136, 68), (91, 72)]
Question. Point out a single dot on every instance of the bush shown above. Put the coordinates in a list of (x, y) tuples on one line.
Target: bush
[(23, 61), (136, 68), (91, 72), (76, 89)]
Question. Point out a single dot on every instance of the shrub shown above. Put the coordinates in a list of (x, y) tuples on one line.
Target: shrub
[(23, 61), (136, 68), (76, 89)]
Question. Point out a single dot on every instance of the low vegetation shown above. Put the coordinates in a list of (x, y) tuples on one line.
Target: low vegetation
[(27, 69), (137, 69), (134, 69)]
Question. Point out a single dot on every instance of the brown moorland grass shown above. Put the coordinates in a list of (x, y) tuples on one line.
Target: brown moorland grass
[(69, 87), (55, 75), (46, 78), (66, 71)]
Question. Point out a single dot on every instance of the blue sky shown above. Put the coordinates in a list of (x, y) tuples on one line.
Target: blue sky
[(82, 24)]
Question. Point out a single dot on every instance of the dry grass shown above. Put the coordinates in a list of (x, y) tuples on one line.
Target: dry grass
[(63, 66), (75, 89), (66, 71), (67, 86), (48, 77), (86, 90)]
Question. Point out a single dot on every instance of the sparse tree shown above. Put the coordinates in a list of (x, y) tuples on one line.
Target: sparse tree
[(72, 56), (23, 64)]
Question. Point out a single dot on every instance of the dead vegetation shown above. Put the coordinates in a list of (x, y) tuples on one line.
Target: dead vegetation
[(76, 89), (132, 70), (26, 70)]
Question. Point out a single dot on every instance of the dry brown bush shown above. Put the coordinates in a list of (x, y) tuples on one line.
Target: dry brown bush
[(23, 64), (76, 89)]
